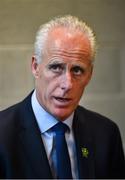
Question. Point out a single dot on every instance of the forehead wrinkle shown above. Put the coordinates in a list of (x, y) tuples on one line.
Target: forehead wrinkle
[(61, 61), (56, 60), (76, 53)]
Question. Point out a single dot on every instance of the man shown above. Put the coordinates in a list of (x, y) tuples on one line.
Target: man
[(62, 66)]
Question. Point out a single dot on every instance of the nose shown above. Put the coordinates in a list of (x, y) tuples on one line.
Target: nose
[(66, 81)]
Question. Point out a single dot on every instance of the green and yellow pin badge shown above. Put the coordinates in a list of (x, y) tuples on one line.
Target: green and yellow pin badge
[(85, 152)]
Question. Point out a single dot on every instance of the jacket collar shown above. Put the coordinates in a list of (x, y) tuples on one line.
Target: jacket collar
[(32, 142), (33, 145)]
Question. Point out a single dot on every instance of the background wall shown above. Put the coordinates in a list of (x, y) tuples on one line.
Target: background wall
[(19, 20)]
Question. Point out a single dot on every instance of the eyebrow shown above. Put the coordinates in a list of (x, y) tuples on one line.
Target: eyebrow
[(60, 61)]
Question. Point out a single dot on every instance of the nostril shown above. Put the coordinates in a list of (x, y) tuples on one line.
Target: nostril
[(66, 81), (66, 85)]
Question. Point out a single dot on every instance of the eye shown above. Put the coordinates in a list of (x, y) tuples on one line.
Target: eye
[(56, 68), (77, 70)]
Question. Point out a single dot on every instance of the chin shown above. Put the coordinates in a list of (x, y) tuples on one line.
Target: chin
[(61, 115)]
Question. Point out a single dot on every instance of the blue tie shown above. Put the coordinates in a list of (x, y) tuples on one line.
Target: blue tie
[(63, 160)]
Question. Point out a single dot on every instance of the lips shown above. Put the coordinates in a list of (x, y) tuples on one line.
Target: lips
[(62, 101)]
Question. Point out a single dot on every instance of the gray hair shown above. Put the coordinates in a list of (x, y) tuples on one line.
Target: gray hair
[(67, 21)]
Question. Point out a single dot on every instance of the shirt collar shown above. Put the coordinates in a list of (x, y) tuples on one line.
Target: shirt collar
[(44, 119)]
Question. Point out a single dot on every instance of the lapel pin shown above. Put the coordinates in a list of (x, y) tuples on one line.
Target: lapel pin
[(85, 152)]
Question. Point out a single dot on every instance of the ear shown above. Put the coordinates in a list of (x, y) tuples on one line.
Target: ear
[(34, 67)]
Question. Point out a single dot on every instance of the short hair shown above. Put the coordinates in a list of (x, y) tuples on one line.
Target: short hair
[(67, 21)]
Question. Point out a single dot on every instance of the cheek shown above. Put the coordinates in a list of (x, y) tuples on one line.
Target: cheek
[(44, 77), (84, 81), (79, 92), (48, 84), (79, 89)]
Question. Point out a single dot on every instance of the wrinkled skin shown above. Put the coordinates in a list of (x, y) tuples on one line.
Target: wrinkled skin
[(64, 72)]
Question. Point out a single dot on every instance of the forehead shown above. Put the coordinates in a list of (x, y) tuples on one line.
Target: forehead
[(68, 42), (67, 37)]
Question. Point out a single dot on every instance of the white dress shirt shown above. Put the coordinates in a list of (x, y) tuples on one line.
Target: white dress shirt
[(45, 122)]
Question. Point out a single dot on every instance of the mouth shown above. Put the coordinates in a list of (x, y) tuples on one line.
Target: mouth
[(62, 101)]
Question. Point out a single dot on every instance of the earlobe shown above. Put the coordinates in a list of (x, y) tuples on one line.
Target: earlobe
[(34, 67)]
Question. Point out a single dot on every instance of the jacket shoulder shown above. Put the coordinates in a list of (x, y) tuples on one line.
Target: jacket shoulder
[(104, 134), (8, 113), (10, 117), (96, 121), (14, 109)]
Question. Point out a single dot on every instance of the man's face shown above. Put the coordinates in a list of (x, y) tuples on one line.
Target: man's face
[(63, 73)]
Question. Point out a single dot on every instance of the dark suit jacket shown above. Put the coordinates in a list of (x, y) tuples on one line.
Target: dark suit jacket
[(22, 153)]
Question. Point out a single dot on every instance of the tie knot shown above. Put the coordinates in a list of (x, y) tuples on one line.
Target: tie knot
[(60, 128)]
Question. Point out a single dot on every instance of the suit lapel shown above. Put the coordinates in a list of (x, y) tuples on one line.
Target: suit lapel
[(32, 143), (33, 147), (84, 147)]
